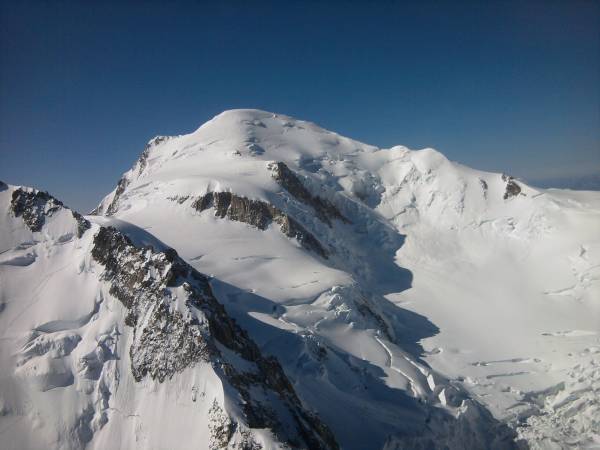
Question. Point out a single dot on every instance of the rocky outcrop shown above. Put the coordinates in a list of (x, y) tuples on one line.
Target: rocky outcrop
[(180, 199), (225, 433), (324, 209), (258, 214), (126, 178), (112, 208), (177, 322), (512, 188), (140, 279), (484, 187), (35, 206)]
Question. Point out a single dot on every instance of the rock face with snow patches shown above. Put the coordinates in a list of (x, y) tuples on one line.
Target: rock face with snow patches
[(176, 323), (265, 283)]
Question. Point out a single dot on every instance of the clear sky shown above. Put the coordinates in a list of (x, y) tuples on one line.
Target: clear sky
[(501, 86)]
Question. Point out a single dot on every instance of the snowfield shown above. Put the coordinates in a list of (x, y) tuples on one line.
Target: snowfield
[(373, 299)]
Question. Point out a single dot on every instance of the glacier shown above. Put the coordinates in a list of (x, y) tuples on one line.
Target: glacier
[(265, 283)]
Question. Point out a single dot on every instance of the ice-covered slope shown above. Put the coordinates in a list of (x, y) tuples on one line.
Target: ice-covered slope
[(383, 298), (110, 340), (389, 283)]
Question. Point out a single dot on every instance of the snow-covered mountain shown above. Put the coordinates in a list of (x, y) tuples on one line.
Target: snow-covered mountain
[(321, 293), (111, 340)]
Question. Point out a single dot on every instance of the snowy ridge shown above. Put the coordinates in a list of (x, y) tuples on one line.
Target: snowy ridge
[(177, 327), (410, 301)]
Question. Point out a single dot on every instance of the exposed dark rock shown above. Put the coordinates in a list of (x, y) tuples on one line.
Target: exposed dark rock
[(179, 198), (368, 312), (512, 188), (34, 206), (325, 210), (3, 186), (205, 202), (484, 187), (157, 140), (121, 186), (142, 162), (255, 123), (125, 180), (223, 432), (174, 338), (221, 427), (82, 224), (293, 229), (169, 343), (258, 214)]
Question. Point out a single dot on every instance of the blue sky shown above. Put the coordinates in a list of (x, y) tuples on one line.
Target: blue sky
[(502, 86)]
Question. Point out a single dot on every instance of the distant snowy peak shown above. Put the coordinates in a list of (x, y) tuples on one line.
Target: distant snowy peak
[(264, 196), (236, 151)]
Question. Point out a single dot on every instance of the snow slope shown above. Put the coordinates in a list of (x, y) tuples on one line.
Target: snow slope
[(110, 340), (382, 298), (391, 284)]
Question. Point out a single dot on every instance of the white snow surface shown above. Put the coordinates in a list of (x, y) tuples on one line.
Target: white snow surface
[(441, 293), (65, 376)]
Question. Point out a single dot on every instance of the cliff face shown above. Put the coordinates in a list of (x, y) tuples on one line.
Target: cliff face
[(34, 206), (325, 210), (183, 324), (258, 214)]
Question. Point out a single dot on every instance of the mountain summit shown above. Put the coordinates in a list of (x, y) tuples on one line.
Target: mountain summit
[(265, 283)]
